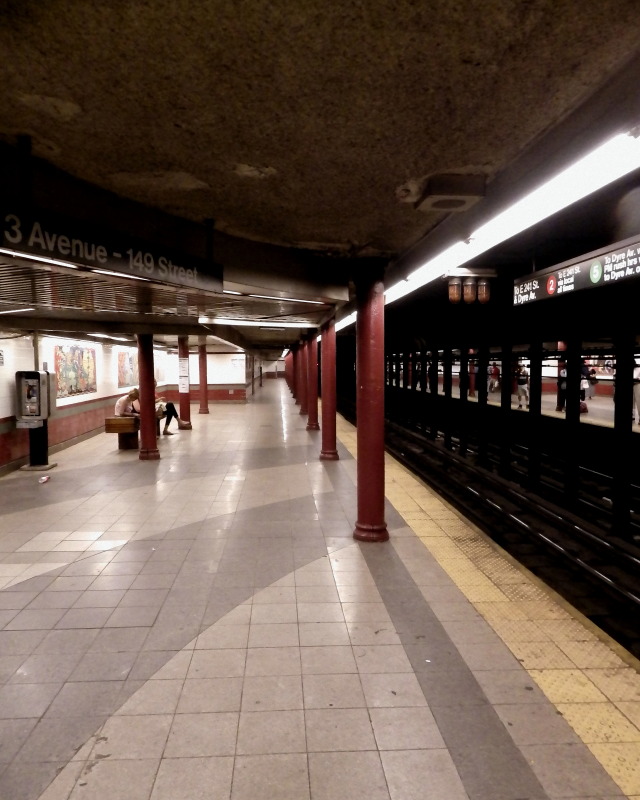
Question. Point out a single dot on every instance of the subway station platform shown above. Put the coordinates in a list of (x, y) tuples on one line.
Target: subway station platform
[(205, 627)]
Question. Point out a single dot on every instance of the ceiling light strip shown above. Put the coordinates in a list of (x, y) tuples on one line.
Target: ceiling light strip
[(614, 159), (253, 324), (287, 299)]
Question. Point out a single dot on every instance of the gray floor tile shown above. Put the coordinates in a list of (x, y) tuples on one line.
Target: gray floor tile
[(356, 775), (84, 618), (405, 729), (35, 619), (541, 723), (126, 779), (284, 776), (19, 701), (88, 697), (49, 668), (13, 734), (333, 691), (416, 774), (579, 776), (184, 778), (54, 739), (338, 729), (272, 693), (210, 695), (270, 732), (103, 666), (19, 783)]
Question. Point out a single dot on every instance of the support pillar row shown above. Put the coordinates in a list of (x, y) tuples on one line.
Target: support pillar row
[(204, 381), (329, 450), (148, 438), (312, 384), (370, 524), (183, 380)]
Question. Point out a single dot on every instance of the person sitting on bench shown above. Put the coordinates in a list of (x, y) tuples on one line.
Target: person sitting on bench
[(168, 410), (126, 405)]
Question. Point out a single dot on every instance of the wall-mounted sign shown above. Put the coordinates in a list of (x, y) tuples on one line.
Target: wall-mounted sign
[(606, 266), (62, 239)]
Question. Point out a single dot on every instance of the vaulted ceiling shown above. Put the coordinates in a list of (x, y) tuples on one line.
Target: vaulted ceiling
[(311, 139)]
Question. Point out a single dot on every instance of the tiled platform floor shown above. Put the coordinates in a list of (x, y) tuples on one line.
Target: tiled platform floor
[(205, 627)]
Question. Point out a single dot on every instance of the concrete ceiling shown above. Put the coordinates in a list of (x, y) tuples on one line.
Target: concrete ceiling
[(312, 134)]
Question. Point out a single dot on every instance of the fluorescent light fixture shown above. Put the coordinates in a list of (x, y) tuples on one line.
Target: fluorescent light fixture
[(57, 263), (287, 299), (43, 259), (271, 328), (251, 324), (229, 291), (344, 323), (17, 310), (119, 274), (617, 157), (113, 338)]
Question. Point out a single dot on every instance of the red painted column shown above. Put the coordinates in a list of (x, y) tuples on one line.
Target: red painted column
[(288, 370), (328, 388), (370, 524), (202, 369), (312, 384), (304, 361), (296, 373), (183, 380), (148, 439)]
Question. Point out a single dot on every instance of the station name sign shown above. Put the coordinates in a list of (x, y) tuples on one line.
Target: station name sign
[(607, 266), (60, 239)]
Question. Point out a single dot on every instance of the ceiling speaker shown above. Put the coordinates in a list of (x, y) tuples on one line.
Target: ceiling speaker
[(451, 192)]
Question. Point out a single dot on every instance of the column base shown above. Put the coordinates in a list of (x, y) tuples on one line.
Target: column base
[(329, 455), (371, 533), (149, 454), (313, 426), (203, 411)]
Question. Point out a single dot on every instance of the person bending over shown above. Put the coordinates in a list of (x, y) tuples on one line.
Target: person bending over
[(126, 405)]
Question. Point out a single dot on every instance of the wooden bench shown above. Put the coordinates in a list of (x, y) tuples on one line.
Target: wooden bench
[(127, 429)]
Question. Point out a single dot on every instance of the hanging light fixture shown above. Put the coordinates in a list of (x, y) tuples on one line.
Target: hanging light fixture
[(455, 290), (469, 290), (484, 292)]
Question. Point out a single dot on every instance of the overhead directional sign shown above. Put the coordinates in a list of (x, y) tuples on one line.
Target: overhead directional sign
[(609, 265), (62, 241)]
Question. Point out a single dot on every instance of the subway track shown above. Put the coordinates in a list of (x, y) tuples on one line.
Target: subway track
[(598, 577)]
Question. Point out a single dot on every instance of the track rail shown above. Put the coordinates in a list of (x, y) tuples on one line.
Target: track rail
[(600, 578)]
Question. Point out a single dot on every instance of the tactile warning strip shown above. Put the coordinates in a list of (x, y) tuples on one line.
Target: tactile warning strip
[(599, 722), (622, 761)]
